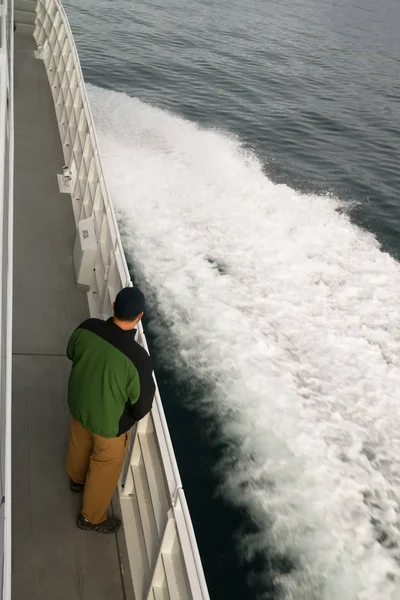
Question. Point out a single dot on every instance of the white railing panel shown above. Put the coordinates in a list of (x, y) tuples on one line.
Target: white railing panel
[(162, 548)]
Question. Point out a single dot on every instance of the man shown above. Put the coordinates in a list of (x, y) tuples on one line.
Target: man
[(110, 388)]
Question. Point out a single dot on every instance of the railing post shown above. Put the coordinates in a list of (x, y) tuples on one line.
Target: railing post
[(6, 280)]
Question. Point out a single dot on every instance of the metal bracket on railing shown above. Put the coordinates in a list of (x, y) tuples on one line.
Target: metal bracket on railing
[(66, 181), (41, 49)]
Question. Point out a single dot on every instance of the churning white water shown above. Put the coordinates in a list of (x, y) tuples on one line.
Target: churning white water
[(292, 312)]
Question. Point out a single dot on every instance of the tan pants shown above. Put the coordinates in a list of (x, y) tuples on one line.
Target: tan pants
[(97, 462)]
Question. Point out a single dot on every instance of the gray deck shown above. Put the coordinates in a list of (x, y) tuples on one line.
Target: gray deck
[(52, 559)]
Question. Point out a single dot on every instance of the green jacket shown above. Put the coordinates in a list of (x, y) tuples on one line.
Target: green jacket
[(111, 384)]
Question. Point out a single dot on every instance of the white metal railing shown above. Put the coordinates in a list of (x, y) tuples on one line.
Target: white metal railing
[(162, 549), (6, 266)]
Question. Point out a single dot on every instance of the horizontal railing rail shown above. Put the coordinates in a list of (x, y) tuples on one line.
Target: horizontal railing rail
[(162, 548)]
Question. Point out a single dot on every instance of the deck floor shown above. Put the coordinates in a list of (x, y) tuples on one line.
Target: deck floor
[(51, 557)]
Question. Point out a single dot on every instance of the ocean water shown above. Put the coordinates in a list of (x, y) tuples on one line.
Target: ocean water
[(252, 150)]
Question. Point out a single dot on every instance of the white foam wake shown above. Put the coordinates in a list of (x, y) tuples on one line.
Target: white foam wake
[(293, 312)]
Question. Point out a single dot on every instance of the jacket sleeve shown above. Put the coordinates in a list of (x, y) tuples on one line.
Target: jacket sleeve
[(134, 386), (71, 342), (71, 347), (147, 388)]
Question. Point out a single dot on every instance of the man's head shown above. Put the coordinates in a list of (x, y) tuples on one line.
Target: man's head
[(128, 307)]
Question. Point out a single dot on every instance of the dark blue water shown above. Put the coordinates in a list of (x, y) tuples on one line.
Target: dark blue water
[(312, 89)]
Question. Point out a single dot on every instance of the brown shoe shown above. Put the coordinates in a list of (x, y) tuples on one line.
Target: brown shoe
[(110, 525)]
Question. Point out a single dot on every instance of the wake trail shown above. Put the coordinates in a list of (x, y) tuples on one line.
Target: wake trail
[(292, 312)]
